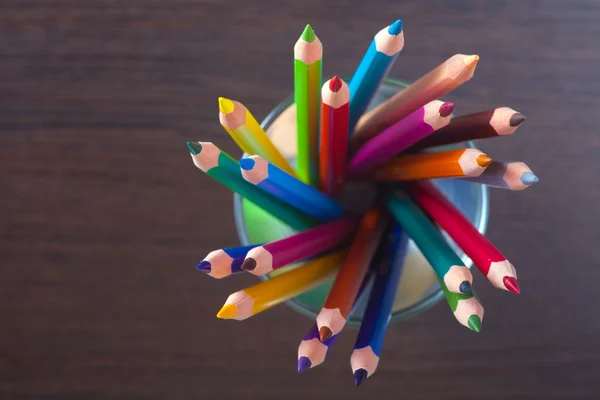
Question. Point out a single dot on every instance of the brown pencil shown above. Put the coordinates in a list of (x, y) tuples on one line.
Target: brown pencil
[(335, 311), (443, 164), (500, 121), (438, 82)]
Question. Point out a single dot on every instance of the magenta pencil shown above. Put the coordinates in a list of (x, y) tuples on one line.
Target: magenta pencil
[(400, 136), (268, 257)]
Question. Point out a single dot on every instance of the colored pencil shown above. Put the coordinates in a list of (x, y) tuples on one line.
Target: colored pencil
[(335, 98), (312, 351), (373, 68), (499, 271), (301, 246), (334, 314), (224, 262), (248, 134), (369, 342), (447, 265), (277, 182), (225, 170), (440, 81), (466, 308), (266, 294), (500, 121), (510, 175), (400, 136), (444, 164), (308, 75)]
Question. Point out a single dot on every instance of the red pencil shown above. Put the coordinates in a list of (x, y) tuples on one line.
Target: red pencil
[(499, 271), (335, 111)]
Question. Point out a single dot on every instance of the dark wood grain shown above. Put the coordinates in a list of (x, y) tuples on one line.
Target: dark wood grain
[(103, 216)]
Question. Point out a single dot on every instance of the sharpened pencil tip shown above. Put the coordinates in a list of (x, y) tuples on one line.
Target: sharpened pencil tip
[(304, 363), (471, 61), (529, 178), (247, 163), (395, 28), (483, 160), (249, 264), (325, 333), (446, 109), (204, 266), (335, 84), (465, 287), (228, 311), (474, 323), (194, 148), (308, 35), (511, 284), (226, 106), (360, 375), (517, 119)]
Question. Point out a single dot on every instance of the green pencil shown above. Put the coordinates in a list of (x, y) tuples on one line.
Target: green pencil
[(447, 265), (466, 308), (224, 169), (308, 74)]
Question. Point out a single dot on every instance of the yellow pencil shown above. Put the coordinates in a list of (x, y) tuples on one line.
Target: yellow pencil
[(264, 295), (248, 134)]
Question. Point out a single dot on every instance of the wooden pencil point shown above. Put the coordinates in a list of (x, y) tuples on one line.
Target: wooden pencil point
[(529, 178), (360, 375), (471, 61), (226, 106), (335, 84), (204, 266), (308, 35), (325, 333), (474, 323), (304, 363), (395, 28), (446, 109), (227, 312), (483, 160), (194, 148), (511, 284), (247, 163), (249, 264), (517, 119), (465, 287)]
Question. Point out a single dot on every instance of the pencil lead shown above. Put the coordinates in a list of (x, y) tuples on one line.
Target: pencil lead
[(194, 147), (360, 375), (325, 333), (517, 119), (474, 323), (304, 363), (247, 163), (335, 84), (483, 160), (226, 106), (465, 287), (204, 266), (471, 61), (446, 109), (248, 264), (308, 35), (395, 28), (227, 312), (511, 284), (529, 178)]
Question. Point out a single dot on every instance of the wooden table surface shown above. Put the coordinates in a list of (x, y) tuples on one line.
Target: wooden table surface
[(103, 216)]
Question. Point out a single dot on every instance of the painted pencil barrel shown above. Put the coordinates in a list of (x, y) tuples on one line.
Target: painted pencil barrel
[(507, 175), (276, 182), (447, 265)]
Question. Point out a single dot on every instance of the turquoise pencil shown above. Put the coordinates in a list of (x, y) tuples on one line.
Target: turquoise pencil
[(367, 349), (447, 265), (373, 68), (280, 184)]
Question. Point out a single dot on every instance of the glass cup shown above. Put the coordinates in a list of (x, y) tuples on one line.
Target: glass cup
[(418, 289)]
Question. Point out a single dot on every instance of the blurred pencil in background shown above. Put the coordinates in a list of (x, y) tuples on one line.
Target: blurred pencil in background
[(510, 175)]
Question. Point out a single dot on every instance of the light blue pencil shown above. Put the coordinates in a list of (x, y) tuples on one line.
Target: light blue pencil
[(282, 185), (510, 175), (373, 68), (369, 342)]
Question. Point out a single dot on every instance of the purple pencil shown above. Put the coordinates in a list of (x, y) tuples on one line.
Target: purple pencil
[(266, 258), (400, 136)]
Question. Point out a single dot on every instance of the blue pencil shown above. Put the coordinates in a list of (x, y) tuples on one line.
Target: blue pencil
[(224, 262), (280, 184), (373, 68), (369, 342)]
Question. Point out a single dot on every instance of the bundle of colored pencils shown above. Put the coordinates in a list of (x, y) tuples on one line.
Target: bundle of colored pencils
[(393, 145)]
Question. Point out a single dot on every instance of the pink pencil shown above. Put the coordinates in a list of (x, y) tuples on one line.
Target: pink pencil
[(499, 271), (264, 259), (400, 136)]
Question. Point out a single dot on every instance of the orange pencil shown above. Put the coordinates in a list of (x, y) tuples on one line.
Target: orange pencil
[(443, 164), (438, 82), (335, 311)]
